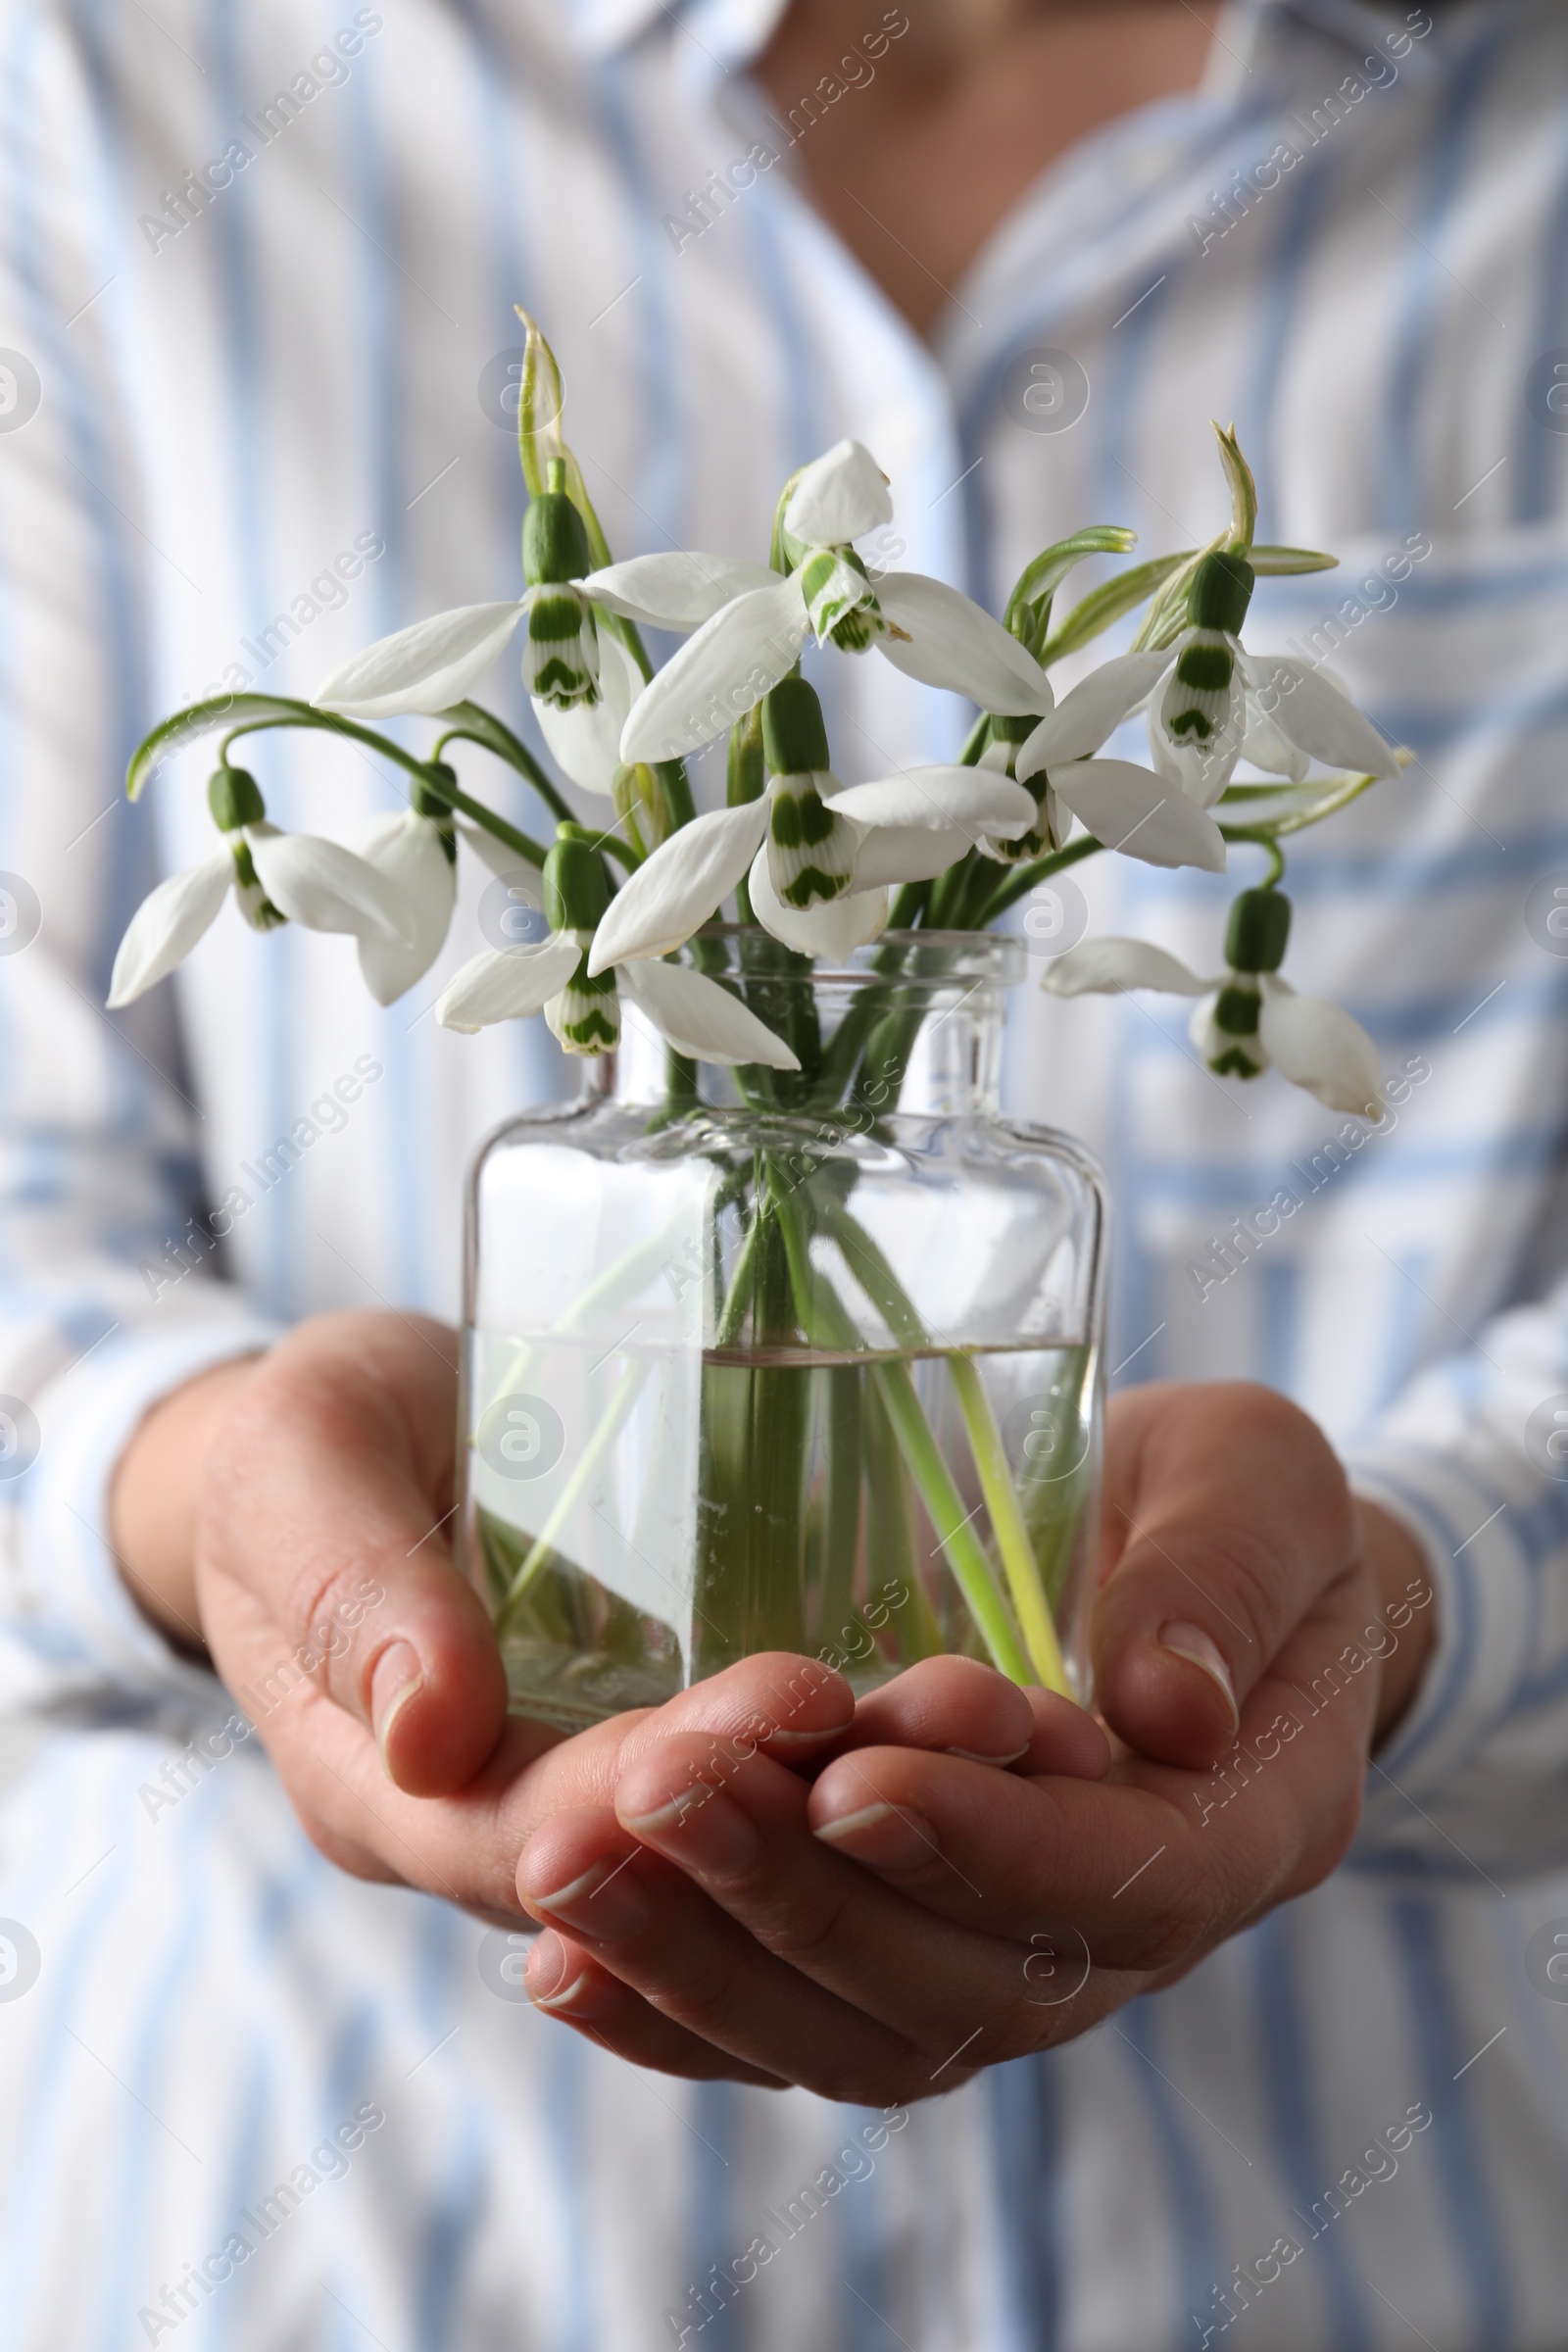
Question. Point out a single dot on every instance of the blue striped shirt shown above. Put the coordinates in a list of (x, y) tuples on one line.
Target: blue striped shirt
[(257, 269)]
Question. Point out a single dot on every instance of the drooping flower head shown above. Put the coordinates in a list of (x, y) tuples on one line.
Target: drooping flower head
[(582, 1004), (816, 858), (751, 620), (1220, 703), (1250, 1019), (276, 877)]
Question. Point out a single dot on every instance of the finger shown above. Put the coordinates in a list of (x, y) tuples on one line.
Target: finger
[(567, 1981), (653, 1925), (323, 1546), (1228, 1515), (967, 1709), (1149, 1865), (747, 1847), (466, 1846)]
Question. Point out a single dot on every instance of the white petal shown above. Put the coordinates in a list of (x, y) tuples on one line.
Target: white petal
[(1318, 1045), (585, 739), (835, 928), (1310, 710), (1083, 719), (675, 591), (1268, 747), (978, 800), (718, 674), (406, 850), (909, 854), (1107, 966), (325, 886), (428, 668), (501, 859), (687, 879), (957, 643), (701, 1018), (838, 498), (507, 984), (1132, 809), (166, 925)]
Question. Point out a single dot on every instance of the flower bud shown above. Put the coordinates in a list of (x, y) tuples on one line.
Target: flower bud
[(576, 886), (555, 537), (1257, 931), (1221, 591), (794, 737), (234, 799)]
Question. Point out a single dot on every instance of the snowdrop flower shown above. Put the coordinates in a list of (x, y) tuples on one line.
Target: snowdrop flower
[(276, 877), (1220, 703), (1125, 806), (816, 858), (582, 684), (416, 851), (582, 1004), (1249, 1018), (751, 621)]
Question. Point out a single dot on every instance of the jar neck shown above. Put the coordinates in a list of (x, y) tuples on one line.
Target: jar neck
[(938, 1055)]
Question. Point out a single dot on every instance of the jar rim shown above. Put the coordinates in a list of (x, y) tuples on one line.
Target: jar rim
[(932, 958)]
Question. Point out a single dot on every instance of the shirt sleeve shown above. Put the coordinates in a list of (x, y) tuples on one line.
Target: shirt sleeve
[(1473, 1460), (107, 1297)]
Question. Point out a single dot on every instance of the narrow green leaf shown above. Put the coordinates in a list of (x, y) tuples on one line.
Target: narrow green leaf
[(1243, 488), (1107, 603), (1044, 576), (1279, 562)]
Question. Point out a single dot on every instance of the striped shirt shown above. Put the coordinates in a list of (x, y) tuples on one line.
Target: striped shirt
[(257, 269)]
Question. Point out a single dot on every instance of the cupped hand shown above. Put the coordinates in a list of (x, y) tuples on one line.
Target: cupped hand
[(293, 1512), (911, 1915)]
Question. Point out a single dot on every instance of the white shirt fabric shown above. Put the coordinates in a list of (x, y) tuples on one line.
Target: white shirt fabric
[(238, 448)]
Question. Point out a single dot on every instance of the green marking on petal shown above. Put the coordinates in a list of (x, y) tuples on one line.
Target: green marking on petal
[(810, 885), (1236, 1064), (810, 851), (1236, 1010), (561, 652), (585, 1018), (1206, 665)]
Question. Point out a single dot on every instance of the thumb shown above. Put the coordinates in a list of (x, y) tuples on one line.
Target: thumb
[(1228, 1515), (324, 1549)]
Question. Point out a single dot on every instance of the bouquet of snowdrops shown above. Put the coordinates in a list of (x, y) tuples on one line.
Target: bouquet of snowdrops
[(822, 867), (809, 1396)]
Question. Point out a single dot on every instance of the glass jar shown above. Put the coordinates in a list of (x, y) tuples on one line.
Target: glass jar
[(763, 1362)]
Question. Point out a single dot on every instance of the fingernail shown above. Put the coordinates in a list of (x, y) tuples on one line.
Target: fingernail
[(398, 1676), (972, 1756), (606, 1904), (887, 1836), (701, 1830), (1190, 1642), (547, 1976)]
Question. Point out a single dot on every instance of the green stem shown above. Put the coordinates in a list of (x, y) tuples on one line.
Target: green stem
[(475, 724), (610, 1424), (1021, 879), (955, 1526), (1006, 1523), (477, 813)]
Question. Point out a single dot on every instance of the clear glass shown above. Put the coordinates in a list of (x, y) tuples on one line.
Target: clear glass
[(763, 1362)]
